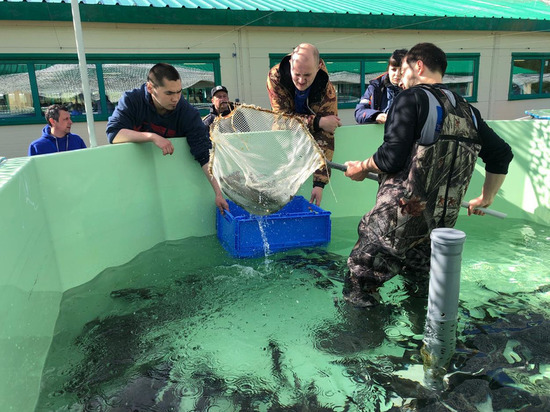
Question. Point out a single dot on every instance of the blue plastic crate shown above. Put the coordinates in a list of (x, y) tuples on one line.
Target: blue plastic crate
[(296, 225)]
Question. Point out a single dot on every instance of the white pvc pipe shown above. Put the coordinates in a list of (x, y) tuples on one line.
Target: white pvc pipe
[(490, 212), (83, 72), (441, 322)]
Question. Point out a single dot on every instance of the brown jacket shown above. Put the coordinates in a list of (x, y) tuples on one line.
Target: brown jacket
[(321, 102)]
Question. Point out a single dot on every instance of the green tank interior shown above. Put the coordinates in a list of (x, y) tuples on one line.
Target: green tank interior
[(66, 217)]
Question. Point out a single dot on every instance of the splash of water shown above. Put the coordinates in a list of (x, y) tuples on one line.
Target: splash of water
[(262, 222)]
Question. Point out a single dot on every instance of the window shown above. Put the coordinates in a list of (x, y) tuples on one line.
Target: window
[(351, 77), (28, 84), (350, 74), (462, 75), (346, 78), (61, 84), (530, 76), (16, 99)]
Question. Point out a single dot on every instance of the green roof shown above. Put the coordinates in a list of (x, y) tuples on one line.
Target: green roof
[(509, 15)]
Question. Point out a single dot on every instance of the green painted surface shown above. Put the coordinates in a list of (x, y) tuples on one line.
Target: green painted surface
[(523, 9), (66, 217), (526, 15)]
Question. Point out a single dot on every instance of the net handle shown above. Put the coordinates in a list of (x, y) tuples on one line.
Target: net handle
[(374, 176)]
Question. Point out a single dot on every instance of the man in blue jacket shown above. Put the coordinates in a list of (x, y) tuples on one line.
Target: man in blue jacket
[(56, 135), (157, 111), (378, 98)]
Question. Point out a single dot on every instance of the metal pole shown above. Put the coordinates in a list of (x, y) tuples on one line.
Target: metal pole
[(441, 321), (83, 72)]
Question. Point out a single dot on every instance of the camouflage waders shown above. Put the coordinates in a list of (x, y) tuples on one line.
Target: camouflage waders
[(394, 237)]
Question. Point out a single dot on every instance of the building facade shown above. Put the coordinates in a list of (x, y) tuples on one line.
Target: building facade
[(499, 60)]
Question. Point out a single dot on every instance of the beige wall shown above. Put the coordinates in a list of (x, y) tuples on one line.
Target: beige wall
[(244, 57)]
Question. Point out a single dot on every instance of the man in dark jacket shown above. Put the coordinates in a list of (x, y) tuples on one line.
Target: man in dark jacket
[(299, 86), (221, 106), (56, 135), (157, 111), (431, 142), (378, 98)]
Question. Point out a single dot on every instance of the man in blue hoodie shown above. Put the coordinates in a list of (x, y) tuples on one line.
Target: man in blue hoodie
[(157, 111), (56, 135)]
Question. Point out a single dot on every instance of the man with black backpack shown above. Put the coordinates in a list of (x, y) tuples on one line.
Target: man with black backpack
[(432, 139)]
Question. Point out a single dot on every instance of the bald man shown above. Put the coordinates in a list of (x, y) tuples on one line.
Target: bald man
[(299, 85)]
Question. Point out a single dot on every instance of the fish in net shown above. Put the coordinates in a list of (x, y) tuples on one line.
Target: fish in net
[(261, 158)]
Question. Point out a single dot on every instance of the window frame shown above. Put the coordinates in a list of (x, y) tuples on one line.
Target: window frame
[(475, 57), (528, 56), (98, 60), (364, 58)]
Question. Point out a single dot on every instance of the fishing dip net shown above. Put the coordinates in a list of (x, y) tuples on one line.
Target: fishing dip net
[(261, 158)]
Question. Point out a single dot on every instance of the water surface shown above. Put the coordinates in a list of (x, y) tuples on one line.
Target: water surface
[(184, 327)]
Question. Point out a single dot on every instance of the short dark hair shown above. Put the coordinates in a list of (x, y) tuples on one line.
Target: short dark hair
[(52, 112), (396, 57), (161, 71), (432, 56)]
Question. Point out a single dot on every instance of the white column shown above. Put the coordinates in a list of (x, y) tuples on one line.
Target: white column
[(83, 72)]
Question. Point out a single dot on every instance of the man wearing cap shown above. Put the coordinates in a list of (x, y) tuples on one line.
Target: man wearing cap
[(221, 106), (157, 111)]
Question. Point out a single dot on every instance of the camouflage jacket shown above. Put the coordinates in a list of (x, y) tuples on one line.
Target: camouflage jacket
[(428, 191), (321, 102), (435, 137)]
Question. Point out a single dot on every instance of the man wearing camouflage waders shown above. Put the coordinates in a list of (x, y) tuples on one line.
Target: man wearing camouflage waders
[(432, 139)]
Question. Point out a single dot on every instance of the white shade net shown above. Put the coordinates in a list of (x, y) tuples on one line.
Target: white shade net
[(261, 158)]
